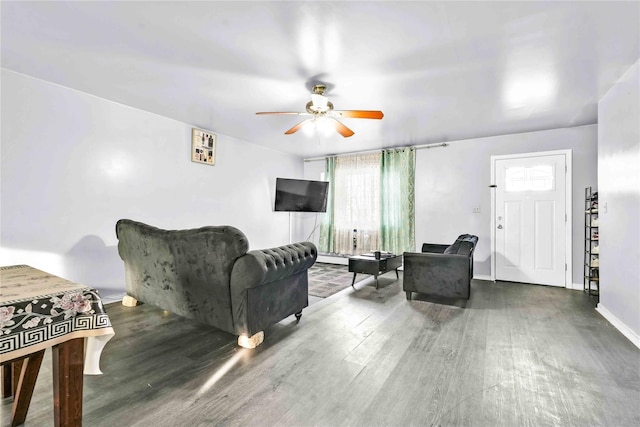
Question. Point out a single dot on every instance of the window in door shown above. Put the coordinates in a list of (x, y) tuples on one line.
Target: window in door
[(535, 178)]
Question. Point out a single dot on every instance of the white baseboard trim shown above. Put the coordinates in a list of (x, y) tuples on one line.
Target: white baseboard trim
[(328, 259), (619, 325), (111, 298), (573, 286)]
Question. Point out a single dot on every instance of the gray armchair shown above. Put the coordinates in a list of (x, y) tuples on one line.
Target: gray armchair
[(208, 274), (441, 270)]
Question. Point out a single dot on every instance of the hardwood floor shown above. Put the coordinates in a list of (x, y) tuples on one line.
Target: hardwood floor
[(516, 355)]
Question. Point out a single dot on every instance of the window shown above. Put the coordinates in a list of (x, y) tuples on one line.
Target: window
[(370, 204), (357, 203), (536, 178)]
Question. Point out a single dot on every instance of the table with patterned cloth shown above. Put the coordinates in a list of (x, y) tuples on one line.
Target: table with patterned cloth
[(39, 310)]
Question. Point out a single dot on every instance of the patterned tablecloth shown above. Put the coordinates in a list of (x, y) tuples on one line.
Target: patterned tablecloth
[(39, 310)]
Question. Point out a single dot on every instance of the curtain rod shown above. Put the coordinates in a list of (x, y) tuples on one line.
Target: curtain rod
[(417, 147)]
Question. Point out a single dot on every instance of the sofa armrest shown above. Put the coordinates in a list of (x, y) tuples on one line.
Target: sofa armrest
[(270, 284), (268, 265), (427, 260), (434, 248)]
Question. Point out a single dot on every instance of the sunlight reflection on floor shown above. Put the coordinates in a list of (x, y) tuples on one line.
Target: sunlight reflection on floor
[(229, 364)]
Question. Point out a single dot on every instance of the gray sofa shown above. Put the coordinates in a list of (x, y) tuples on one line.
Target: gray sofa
[(441, 270), (208, 274)]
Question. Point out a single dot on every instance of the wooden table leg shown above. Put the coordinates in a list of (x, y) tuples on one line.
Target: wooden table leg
[(25, 382), (7, 380), (68, 363), (16, 368)]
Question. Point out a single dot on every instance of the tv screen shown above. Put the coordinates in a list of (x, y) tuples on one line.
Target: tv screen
[(298, 195)]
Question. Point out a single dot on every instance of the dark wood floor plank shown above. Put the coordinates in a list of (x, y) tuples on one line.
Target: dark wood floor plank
[(347, 404), (426, 362), (516, 355)]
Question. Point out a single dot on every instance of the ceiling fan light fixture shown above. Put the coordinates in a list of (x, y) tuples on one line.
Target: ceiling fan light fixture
[(323, 126), (309, 129), (319, 102), (324, 117)]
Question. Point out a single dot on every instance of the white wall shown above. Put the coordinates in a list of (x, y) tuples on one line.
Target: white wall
[(452, 180), (73, 164), (309, 221), (619, 203)]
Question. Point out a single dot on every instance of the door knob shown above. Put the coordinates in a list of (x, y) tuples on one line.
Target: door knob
[(500, 226)]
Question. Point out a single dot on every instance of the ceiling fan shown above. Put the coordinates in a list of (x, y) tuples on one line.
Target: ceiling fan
[(321, 108)]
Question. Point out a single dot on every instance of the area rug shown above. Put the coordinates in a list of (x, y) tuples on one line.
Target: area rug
[(328, 279)]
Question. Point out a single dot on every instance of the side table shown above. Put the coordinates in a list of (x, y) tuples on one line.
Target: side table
[(368, 264)]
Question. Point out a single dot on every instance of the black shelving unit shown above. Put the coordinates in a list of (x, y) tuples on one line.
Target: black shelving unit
[(591, 243)]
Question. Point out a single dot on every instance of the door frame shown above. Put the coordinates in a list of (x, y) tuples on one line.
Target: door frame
[(568, 273)]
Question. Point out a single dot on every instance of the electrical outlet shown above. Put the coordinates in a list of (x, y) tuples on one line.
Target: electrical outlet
[(476, 209)]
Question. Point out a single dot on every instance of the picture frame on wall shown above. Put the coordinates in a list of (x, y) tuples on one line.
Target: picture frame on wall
[(203, 146)]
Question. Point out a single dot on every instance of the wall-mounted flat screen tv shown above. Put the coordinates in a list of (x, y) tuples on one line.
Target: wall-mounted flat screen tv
[(298, 195)]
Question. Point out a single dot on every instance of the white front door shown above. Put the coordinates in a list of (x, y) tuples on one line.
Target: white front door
[(530, 218)]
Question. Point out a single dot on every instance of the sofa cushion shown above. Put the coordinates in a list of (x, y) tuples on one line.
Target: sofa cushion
[(465, 248), (458, 248), (453, 249), (469, 238)]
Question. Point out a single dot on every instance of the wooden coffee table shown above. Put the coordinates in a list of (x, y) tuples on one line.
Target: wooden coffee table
[(368, 264)]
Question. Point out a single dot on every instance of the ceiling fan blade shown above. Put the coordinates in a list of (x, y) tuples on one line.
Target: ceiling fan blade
[(359, 114), (283, 112), (297, 127), (342, 129)]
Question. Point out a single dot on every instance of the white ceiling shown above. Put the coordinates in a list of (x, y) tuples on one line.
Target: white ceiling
[(440, 71)]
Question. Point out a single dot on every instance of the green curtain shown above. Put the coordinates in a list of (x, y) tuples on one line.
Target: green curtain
[(397, 200), (327, 243)]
